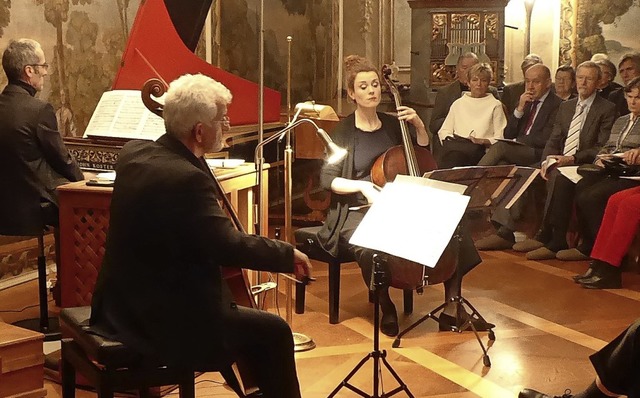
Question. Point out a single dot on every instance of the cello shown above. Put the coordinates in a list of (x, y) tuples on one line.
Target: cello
[(406, 159)]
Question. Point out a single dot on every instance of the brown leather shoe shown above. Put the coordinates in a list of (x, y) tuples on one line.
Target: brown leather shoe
[(529, 393)]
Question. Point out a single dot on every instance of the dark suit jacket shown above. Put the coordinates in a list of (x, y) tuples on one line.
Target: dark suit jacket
[(444, 98), (160, 289), (594, 134), (618, 98), (511, 95), (33, 161), (542, 125)]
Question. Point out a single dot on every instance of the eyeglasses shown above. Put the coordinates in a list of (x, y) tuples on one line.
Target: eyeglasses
[(224, 121), (45, 65)]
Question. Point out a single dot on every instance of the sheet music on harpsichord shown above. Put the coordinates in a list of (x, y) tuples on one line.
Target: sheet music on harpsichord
[(122, 114)]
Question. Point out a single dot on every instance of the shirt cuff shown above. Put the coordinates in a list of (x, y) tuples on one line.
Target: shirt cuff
[(518, 114)]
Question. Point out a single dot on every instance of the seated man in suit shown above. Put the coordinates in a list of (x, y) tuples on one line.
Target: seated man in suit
[(33, 158), (160, 289), (607, 85), (582, 128), (451, 92), (530, 125), (512, 92), (629, 68), (617, 367), (564, 83)]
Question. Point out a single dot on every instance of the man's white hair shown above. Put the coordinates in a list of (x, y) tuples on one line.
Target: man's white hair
[(193, 99)]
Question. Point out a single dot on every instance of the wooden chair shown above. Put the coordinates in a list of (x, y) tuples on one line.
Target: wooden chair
[(111, 366), (307, 239)]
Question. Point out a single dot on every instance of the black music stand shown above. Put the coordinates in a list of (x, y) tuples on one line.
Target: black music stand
[(488, 187), (377, 282)]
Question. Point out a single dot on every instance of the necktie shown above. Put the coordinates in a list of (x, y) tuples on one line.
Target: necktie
[(532, 116), (573, 137)]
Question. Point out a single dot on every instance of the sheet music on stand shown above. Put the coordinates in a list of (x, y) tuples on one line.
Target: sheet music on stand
[(489, 186), (401, 223)]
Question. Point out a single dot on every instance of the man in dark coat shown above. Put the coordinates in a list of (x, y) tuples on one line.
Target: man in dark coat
[(512, 92), (33, 158), (160, 288)]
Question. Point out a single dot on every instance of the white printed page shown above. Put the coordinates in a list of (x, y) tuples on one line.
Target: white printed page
[(402, 222), (122, 114)]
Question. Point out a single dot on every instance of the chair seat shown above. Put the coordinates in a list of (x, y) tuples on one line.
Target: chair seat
[(75, 324), (308, 243)]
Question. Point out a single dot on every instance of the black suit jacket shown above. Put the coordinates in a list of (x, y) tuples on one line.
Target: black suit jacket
[(160, 289), (594, 134), (511, 95), (33, 161), (618, 98), (542, 125)]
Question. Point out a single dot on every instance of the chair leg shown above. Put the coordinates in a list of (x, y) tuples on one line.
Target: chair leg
[(68, 377), (334, 292), (408, 301), (300, 297), (188, 387)]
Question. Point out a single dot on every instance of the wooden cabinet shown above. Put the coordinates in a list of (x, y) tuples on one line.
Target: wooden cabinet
[(21, 362)]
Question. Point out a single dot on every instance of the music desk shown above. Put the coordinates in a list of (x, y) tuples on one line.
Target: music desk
[(84, 222)]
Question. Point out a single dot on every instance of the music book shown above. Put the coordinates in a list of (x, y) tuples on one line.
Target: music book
[(401, 221), (122, 114), (510, 141)]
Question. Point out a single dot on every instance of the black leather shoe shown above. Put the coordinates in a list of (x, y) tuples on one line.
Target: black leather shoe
[(389, 324), (604, 281), (528, 393), (450, 323), (586, 275)]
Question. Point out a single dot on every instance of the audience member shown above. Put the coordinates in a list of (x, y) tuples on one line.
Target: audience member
[(473, 123), (590, 193), (629, 68), (451, 92), (512, 92), (618, 228), (565, 82), (606, 85), (530, 125)]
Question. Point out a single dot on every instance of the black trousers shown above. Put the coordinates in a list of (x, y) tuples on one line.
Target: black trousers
[(618, 363), (265, 343), (458, 152), (592, 192)]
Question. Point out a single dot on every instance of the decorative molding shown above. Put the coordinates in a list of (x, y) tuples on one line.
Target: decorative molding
[(567, 32), (449, 4)]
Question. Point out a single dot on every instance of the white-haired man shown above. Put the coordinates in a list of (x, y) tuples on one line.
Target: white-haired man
[(160, 286)]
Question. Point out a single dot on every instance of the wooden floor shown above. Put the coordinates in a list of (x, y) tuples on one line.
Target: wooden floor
[(546, 326)]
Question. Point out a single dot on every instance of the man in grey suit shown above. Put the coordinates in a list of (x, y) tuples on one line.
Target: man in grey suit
[(451, 92), (582, 128), (512, 92)]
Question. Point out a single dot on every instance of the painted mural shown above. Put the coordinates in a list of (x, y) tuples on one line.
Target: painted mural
[(83, 42)]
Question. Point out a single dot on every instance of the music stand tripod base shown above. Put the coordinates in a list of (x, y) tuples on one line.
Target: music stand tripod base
[(376, 354)]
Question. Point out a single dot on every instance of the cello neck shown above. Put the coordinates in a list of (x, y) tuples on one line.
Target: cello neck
[(409, 153)]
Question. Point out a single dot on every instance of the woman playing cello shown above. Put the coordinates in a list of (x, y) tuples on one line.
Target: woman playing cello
[(367, 134)]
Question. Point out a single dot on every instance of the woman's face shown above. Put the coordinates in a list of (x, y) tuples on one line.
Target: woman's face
[(366, 90), (478, 85)]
